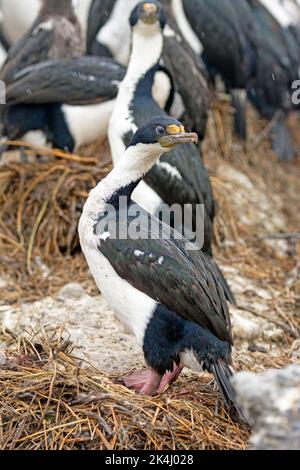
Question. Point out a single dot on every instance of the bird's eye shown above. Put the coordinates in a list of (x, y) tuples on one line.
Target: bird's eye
[(160, 131)]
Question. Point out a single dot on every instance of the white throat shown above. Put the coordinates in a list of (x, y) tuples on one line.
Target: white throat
[(147, 45), (135, 163)]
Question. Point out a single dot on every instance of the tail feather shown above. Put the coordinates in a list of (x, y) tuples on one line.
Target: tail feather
[(223, 373), (238, 99)]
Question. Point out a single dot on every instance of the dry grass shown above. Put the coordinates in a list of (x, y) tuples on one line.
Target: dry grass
[(50, 399)]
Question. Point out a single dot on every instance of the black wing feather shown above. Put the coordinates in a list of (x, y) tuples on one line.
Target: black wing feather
[(81, 80), (182, 280)]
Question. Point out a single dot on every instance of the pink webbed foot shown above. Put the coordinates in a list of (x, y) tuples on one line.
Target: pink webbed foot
[(169, 378), (143, 381), (150, 382)]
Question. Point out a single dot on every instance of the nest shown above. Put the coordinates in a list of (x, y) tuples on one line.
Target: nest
[(50, 400)]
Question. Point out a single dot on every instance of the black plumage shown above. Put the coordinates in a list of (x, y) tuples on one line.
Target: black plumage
[(77, 81), (37, 94)]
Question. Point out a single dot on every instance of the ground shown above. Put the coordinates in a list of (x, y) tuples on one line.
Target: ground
[(45, 283)]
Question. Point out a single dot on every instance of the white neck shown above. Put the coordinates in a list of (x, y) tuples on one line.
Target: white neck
[(135, 163), (147, 46), (115, 34)]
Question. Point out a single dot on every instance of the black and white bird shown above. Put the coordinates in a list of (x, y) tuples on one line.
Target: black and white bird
[(278, 65), (66, 103), (109, 34), (55, 34), (168, 297), (182, 177), (216, 30)]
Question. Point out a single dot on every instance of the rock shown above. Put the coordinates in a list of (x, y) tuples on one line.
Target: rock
[(242, 327), (71, 292), (271, 402), (91, 324)]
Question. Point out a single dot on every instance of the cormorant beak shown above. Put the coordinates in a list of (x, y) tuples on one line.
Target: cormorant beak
[(149, 15), (171, 140)]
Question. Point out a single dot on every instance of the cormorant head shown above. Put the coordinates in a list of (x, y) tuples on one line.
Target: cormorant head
[(163, 133), (149, 13)]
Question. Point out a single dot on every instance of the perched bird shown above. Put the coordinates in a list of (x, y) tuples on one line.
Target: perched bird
[(68, 102), (182, 177), (278, 63), (168, 297), (109, 34), (215, 30), (55, 34)]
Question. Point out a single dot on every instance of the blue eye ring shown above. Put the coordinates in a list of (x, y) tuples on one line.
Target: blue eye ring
[(160, 131)]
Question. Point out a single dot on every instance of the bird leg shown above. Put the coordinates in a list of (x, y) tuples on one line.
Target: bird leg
[(168, 378), (143, 381), (150, 382)]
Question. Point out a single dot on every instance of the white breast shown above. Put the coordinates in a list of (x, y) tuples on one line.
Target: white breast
[(133, 308), (88, 123)]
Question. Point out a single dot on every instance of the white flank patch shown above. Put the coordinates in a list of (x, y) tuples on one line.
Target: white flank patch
[(178, 108), (185, 28), (161, 88), (147, 198), (171, 170), (189, 359), (160, 260), (284, 11), (46, 26), (18, 16), (88, 123), (138, 253), (115, 34)]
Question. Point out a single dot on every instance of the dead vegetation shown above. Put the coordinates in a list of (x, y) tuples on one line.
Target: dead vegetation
[(50, 399)]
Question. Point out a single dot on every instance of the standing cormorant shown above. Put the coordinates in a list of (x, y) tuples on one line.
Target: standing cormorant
[(109, 34), (215, 30), (168, 297), (181, 178)]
